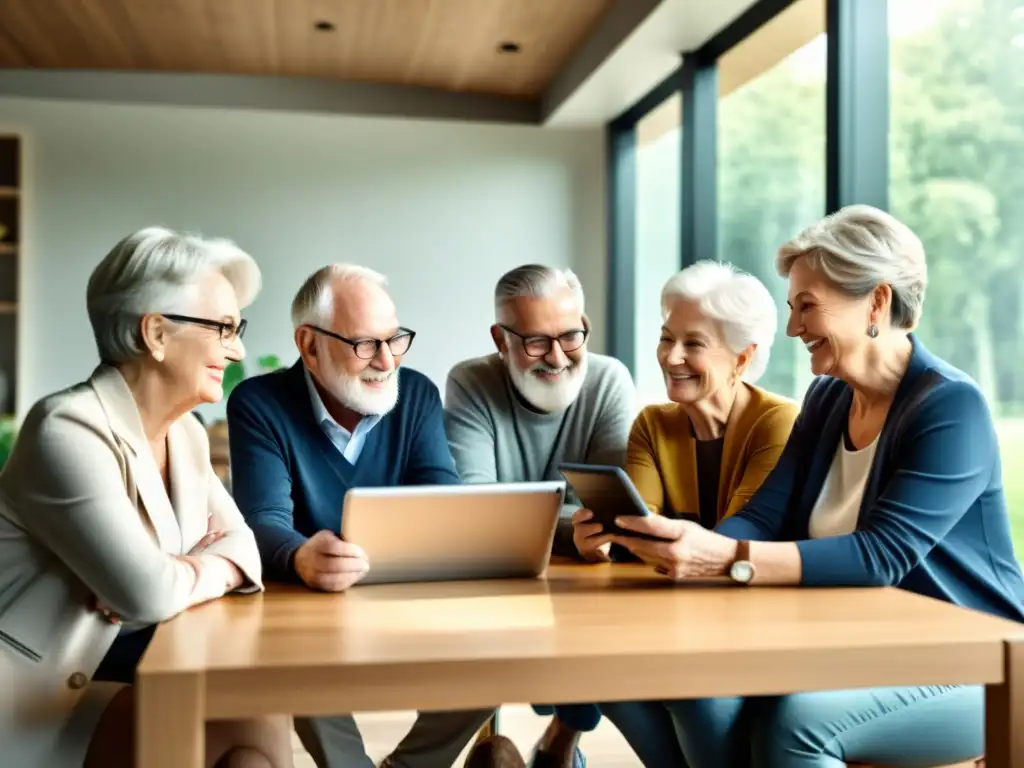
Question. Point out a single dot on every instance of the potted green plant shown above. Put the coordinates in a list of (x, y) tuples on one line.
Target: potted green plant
[(234, 375), (8, 434)]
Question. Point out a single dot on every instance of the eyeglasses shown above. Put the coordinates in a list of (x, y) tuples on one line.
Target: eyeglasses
[(367, 349), (228, 331), (539, 346)]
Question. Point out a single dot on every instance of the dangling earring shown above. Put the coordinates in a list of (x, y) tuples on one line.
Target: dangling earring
[(873, 331)]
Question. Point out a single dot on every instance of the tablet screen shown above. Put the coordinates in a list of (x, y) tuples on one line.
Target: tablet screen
[(606, 491)]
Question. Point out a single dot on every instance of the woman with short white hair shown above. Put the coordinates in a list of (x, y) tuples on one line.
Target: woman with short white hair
[(111, 518), (891, 477), (705, 453), (702, 456)]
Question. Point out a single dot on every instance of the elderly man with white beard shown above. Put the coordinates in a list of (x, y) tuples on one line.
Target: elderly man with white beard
[(301, 437), (540, 400)]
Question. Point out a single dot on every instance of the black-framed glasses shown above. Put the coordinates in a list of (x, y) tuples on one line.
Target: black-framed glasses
[(367, 349), (228, 331), (539, 346)]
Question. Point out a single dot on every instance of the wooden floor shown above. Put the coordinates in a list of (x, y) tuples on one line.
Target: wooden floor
[(605, 747)]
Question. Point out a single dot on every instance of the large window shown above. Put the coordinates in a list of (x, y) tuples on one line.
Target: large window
[(956, 158), (771, 160), (658, 148)]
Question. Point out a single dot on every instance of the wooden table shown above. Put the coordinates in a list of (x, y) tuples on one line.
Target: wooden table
[(474, 644)]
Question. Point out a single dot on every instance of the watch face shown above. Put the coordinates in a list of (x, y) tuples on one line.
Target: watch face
[(742, 571)]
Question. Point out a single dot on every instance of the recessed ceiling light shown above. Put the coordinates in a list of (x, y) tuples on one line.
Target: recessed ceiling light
[(508, 47), (323, 26)]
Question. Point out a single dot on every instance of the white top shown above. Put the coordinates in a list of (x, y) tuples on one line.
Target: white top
[(836, 511)]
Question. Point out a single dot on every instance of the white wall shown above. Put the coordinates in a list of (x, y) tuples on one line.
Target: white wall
[(443, 208)]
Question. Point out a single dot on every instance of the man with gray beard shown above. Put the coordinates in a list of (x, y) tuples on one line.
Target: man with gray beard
[(540, 400), (300, 438)]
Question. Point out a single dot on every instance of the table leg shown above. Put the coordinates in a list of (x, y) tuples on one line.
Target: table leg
[(1004, 712), (170, 715)]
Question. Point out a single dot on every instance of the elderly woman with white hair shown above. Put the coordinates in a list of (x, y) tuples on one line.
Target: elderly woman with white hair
[(891, 477), (702, 456), (111, 518)]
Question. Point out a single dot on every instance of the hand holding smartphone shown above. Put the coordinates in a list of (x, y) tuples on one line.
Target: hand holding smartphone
[(607, 492)]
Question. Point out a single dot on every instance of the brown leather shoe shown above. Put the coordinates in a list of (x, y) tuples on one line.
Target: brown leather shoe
[(495, 752), (558, 747)]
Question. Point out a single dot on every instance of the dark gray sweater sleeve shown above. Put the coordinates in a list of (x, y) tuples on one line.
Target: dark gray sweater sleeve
[(617, 407), (471, 431)]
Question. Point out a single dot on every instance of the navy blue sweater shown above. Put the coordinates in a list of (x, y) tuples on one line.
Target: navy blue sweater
[(933, 518), (289, 479)]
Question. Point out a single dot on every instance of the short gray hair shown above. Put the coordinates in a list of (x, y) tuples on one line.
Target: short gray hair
[(157, 270), (737, 301), (538, 281), (314, 303), (858, 248)]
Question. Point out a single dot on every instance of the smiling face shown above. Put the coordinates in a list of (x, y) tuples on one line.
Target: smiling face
[(361, 311), (831, 324), (694, 358), (549, 381), (194, 356)]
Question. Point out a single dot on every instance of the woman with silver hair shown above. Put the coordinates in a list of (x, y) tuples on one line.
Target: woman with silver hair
[(706, 452), (702, 456), (891, 477), (111, 519)]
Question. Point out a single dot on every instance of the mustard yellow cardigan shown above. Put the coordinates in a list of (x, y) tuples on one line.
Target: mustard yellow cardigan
[(662, 456)]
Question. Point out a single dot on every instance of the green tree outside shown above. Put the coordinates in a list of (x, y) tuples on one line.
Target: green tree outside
[(957, 179)]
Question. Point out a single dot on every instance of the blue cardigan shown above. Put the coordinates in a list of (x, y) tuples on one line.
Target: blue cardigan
[(290, 480), (933, 519)]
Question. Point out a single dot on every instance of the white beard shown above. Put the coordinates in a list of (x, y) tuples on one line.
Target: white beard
[(354, 395), (553, 396)]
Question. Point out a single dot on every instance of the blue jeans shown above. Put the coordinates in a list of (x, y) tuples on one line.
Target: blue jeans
[(579, 717), (905, 727)]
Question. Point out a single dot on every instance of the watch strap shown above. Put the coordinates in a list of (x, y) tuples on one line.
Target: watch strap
[(742, 551), (742, 573)]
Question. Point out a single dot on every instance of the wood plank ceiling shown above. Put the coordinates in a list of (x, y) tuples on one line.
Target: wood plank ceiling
[(448, 44)]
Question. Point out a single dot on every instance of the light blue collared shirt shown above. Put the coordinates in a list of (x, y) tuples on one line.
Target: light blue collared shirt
[(349, 444)]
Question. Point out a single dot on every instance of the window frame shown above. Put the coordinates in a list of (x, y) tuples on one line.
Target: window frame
[(857, 147)]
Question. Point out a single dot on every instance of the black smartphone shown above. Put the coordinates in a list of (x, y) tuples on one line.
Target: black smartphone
[(608, 493)]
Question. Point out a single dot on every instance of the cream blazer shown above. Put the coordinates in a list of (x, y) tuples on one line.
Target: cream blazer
[(83, 513)]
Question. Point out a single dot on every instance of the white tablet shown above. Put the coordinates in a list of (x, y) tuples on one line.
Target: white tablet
[(453, 532)]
